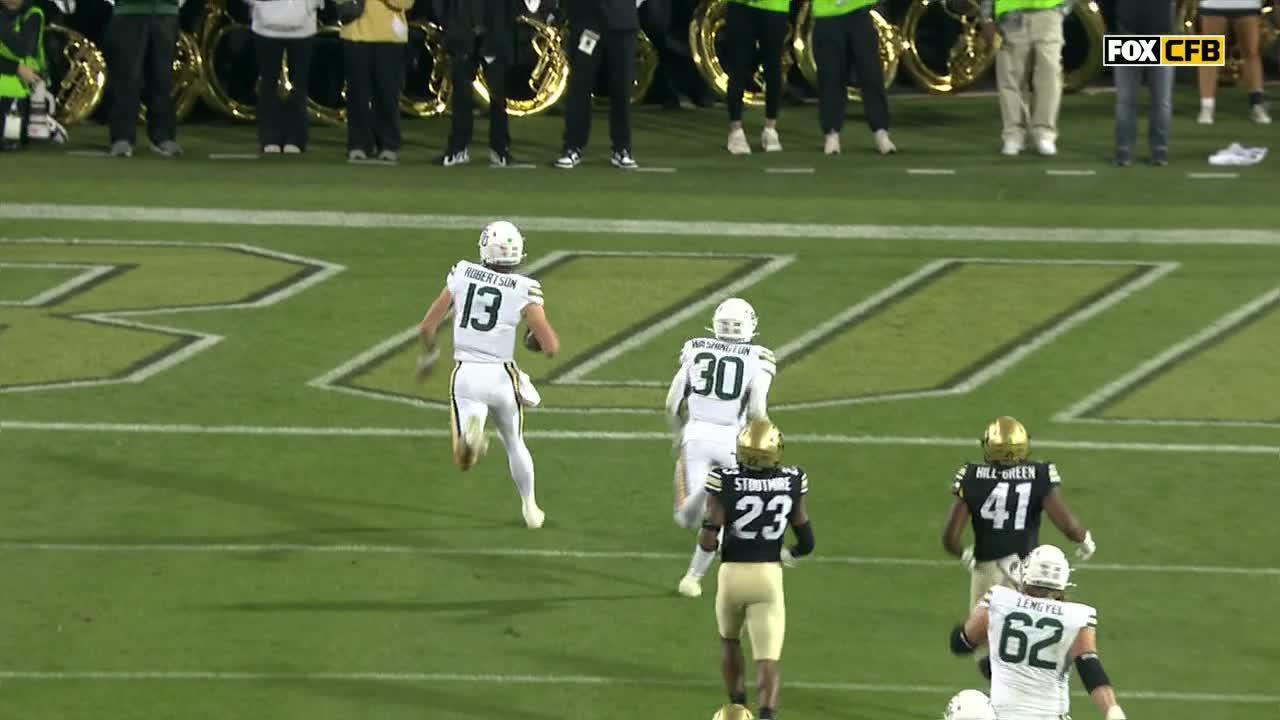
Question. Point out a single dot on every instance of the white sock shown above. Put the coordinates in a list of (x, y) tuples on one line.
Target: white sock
[(702, 560), (521, 464), (1207, 104)]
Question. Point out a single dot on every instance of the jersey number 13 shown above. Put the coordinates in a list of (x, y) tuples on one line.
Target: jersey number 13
[(488, 309)]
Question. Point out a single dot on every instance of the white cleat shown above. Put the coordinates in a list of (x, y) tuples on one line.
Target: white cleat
[(831, 145), (1258, 114), (770, 140), (884, 145), (474, 441), (1011, 148), (738, 144), (533, 515), (1205, 117), (690, 587), (1046, 147)]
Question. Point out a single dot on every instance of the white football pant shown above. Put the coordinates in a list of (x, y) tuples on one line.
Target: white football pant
[(703, 447), (483, 390)]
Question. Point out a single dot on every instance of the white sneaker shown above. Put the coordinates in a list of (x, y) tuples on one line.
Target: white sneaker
[(270, 149), (770, 140), (690, 587), (1011, 148), (883, 143), (291, 149), (738, 144), (1258, 114), (831, 145), (1046, 147), (1205, 117), (474, 442), (533, 515)]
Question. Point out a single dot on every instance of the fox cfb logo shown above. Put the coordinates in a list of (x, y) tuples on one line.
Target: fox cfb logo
[(1169, 50)]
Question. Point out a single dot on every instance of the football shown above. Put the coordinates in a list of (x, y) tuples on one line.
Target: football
[(531, 342)]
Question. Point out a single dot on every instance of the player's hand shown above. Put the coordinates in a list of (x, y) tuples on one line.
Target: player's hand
[(1087, 546), (788, 560), (966, 559), (426, 363)]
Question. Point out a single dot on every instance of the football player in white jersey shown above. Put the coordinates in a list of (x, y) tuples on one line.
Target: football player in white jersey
[(723, 383), (1035, 635), (488, 301), (969, 705)]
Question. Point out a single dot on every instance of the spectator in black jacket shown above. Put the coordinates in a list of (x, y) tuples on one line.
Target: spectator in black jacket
[(479, 33), (1143, 17), (600, 29)]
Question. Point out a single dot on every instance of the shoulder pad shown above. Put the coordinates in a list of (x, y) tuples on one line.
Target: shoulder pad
[(957, 484), (1050, 472), (533, 290)]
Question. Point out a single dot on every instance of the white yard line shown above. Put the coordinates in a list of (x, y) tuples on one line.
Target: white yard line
[(571, 680), (1069, 172), (1213, 175), (930, 171), (1154, 365), (563, 554), (597, 226), (649, 436), (790, 171)]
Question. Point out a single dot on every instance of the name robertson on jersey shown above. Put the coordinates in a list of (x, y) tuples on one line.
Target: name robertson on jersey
[(1040, 606), (762, 485), (735, 348), (492, 278), (1017, 472)]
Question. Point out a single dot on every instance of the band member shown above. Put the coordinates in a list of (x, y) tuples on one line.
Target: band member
[(142, 40), (844, 34), (21, 62), (600, 30), (479, 33), (1244, 18), (755, 28), (1032, 34)]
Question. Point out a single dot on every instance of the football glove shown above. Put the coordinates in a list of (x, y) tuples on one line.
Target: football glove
[(788, 560), (1087, 547), (966, 559)]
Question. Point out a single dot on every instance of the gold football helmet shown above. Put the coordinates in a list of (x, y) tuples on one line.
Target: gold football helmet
[(1005, 441), (733, 712), (760, 445)]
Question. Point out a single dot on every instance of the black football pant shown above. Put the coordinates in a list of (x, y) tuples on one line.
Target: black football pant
[(283, 121), (140, 50), (752, 33), (840, 42), (464, 70), (375, 79), (618, 50)]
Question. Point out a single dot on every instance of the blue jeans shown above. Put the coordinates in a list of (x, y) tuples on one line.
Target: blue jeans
[(1128, 80)]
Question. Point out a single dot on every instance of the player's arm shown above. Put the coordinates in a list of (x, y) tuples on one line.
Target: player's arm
[(800, 525), (1066, 521), (536, 317), (972, 633), (957, 516), (1089, 667), (676, 394), (427, 331), (709, 536), (758, 396)]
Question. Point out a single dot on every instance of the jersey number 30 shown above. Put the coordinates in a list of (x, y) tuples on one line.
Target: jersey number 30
[(717, 377), (1013, 631), (994, 508), (490, 309), (752, 507)]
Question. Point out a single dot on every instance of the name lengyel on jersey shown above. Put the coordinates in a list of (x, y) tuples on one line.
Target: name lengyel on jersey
[(720, 376), (487, 308), (1031, 640)]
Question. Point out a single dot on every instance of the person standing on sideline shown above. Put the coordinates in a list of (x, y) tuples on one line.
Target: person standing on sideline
[(1245, 19), (283, 28), (1032, 33), (1144, 17), (755, 28), (600, 30), (143, 33), (844, 34), (373, 53), (480, 33), (21, 63)]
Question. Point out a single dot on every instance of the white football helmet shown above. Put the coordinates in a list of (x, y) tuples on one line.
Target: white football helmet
[(734, 320), (969, 705), (501, 244), (1046, 567)]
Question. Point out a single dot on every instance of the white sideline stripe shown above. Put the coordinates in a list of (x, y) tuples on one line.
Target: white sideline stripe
[(790, 171), (1070, 173), (887, 440), (1007, 360), (203, 341), (656, 169), (1182, 347), (515, 679), (631, 342), (930, 171), (234, 156), (597, 226), (514, 166), (1213, 175), (91, 273), (363, 549)]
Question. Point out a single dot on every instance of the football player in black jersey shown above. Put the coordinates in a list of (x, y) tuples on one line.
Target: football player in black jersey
[(1003, 498), (754, 503)]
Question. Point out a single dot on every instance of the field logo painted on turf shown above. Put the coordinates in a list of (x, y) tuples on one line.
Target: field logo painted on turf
[(1164, 50)]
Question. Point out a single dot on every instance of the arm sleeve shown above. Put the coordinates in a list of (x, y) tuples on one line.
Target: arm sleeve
[(676, 394), (534, 293), (714, 483), (1054, 477), (758, 398)]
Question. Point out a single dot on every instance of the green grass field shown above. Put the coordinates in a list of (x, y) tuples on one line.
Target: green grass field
[(225, 497)]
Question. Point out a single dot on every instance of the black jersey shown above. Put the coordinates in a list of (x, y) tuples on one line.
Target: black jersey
[(1005, 502), (757, 505)]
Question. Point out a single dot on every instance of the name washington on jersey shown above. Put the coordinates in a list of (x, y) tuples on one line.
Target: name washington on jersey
[(743, 349)]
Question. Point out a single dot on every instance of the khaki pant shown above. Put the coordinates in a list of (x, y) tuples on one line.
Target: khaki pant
[(751, 594), (1032, 50), (989, 574)]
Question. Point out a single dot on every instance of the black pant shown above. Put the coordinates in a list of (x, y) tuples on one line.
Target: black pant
[(463, 124), (838, 42), (375, 79), (135, 42), (618, 48), (655, 20), (283, 121), (746, 30)]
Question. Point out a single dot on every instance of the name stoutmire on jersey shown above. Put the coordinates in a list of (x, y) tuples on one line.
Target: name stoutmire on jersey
[(1168, 50)]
